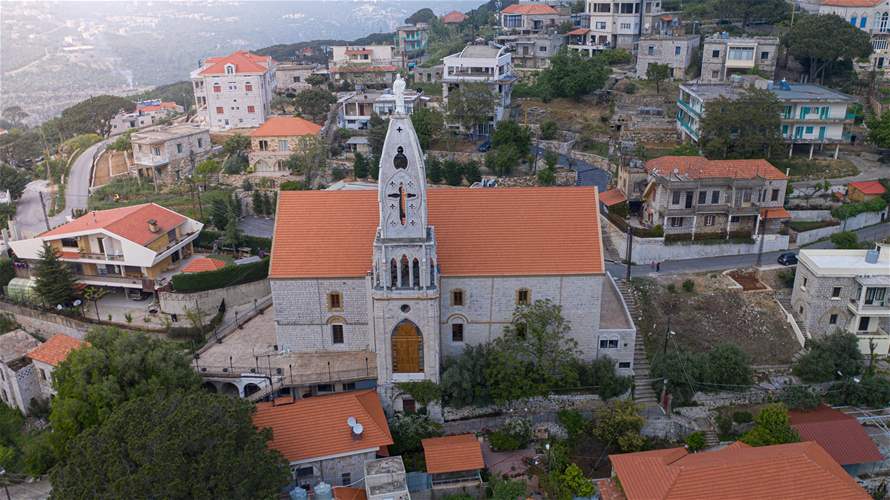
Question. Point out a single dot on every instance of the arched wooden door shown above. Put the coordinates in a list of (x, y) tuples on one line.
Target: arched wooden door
[(407, 348)]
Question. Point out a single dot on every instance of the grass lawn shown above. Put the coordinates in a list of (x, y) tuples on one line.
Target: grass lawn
[(429, 89), (805, 170)]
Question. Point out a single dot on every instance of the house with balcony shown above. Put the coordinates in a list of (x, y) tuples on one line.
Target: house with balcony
[(169, 153), (234, 91), (132, 248), (147, 113), (846, 290), (354, 109), (724, 56), (706, 199), (412, 40), (531, 18), (290, 78), (675, 51), (811, 114), (608, 24), (871, 16), (367, 64), (487, 64), (276, 140)]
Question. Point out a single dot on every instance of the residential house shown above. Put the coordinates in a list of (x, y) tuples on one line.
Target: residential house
[(846, 290), (486, 64), (385, 479), (169, 153), (47, 356), (840, 435), (454, 17), (811, 114), (607, 24), (433, 74), (290, 78), (871, 16), (865, 190), (326, 438), (276, 140), (611, 198), (147, 113), (18, 381), (453, 461), (354, 109), (128, 247), (794, 471), (366, 64), (530, 18), (632, 182), (677, 52), (412, 41), (533, 50), (701, 198), (724, 56), (234, 91), (408, 276)]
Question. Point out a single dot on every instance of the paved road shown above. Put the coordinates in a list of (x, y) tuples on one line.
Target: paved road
[(257, 226), (29, 214), (588, 175)]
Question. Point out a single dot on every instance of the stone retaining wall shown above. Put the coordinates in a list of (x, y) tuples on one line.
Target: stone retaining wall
[(45, 324), (860, 221), (457, 155), (208, 301), (525, 407)]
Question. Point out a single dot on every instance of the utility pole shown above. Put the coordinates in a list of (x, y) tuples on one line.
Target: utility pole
[(43, 206)]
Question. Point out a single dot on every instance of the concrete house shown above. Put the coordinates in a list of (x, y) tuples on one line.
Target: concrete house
[(606, 25), (723, 56), (47, 356), (147, 113), (486, 64), (18, 379), (412, 40), (846, 290), (871, 16), (291, 77), (714, 198), (408, 276), (354, 109), (377, 64), (674, 51), (274, 141), (169, 153), (531, 18), (234, 91), (129, 247)]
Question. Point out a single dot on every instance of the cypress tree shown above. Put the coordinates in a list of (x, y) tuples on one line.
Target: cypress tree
[(54, 280)]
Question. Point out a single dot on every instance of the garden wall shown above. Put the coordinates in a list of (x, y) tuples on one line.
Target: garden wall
[(810, 215), (46, 324), (807, 237), (208, 301), (860, 221), (525, 407)]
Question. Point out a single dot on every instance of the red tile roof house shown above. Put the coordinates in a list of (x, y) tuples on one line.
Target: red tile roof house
[(276, 140), (796, 471), (128, 247), (327, 438), (454, 461), (47, 356), (865, 190), (841, 435), (234, 91)]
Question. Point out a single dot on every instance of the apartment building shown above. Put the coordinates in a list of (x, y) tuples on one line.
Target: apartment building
[(531, 18), (845, 290), (703, 198), (676, 52), (169, 153), (724, 56), (234, 91), (486, 64), (135, 247), (871, 16), (147, 113), (608, 24), (377, 64), (412, 40), (354, 109), (533, 50), (277, 139), (18, 380), (811, 114), (290, 78)]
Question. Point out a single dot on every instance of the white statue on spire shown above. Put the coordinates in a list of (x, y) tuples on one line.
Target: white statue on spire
[(398, 89)]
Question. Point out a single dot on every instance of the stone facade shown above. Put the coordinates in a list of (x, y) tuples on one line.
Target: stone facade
[(533, 50), (268, 154), (167, 152), (428, 75), (291, 77), (486, 64), (723, 56), (675, 51), (234, 91), (336, 471)]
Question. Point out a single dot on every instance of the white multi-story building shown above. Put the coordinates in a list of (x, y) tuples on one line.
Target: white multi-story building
[(490, 65), (724, 56), (608, 24), (871, 16), (234, 91), (169, 152)]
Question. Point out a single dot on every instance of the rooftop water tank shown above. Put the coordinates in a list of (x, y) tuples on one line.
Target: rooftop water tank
[(323, 491), (298, 494)]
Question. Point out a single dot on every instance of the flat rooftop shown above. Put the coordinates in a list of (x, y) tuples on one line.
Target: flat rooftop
[(166, 133), (15, 345), (478, 52), (809, 92), (846, 263), (716, 37)]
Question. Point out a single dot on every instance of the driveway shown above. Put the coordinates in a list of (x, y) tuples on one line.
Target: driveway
[(260, 227)]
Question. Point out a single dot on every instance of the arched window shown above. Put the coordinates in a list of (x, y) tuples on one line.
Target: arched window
[(393, 274), (230, 69), (432, 272), (406, 275), (416, 268), (884, 21)]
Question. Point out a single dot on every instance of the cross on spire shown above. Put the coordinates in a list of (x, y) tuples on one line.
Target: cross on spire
[(402, 196)]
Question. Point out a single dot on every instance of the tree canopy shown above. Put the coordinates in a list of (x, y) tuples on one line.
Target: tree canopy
[(92, 115), (658, 73), (830, 357), (746, 127), (313, 104), (820, 40), (429, 124), (54, 283), (571, 75), (471, 104), (879, 130), (14, 180), (424, 15), (771, 426)]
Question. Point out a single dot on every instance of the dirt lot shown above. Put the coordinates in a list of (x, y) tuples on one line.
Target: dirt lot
[(712, 314), (110, 164), (748, 280), (568, 113)]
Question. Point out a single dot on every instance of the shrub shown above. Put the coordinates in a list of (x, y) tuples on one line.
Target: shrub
[(227, 276), (724, 426), (507, 489), (786, 276), (695, 441), (845, 240), (235, 164), (742, 417), (853, 209), (870, 391), (828, 355), (408, 431), (798, 397), (549, 130), (574, 423), (292, 186), (688, 286), (515, 435), (672, 288), (501, 441), (631, 88), (771, 426)]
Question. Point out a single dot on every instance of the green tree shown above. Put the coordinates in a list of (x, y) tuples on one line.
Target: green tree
[(453, 172), (122, 143), (818, 41), (408, 431), (571, 75), (219, 213), (798, 397), (232, 235), (829, 355), (236, 145), (280, 104), (377, 128), (771, 11), (434, 170), (658, 73), (845, 240), (728, 365), (429, 124), (879, 130), (746, 127), (360, 166), (508, 133), (115, 367), (471, 105), (600, 373), (547, 176), (257, 202), (206, 170), (14, 180), (94, 294), (424, 15), (315, 80), (54, 282), (771, 426), (502, 160), (549, 129), (314, 104), (179, 445), (696, 441), (268, 209), (309, 162), (15, 115), (463, 377), (573, 483), (618, 426), (471, 171), (507, 489), (90, 116)]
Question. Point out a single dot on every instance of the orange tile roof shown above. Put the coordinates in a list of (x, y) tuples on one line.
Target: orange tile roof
[(699, 167), (127, 222), (841, 435), (796, 471), (244, 62), (868, 187), (316, 427), (346, 493), (202, 264), (774, 213), (454, 17), (157, 107), (611, 197), (579, 31), (479, 232), (529, 9), (55, 350), (851, 3), (452, 454), (286, 126)]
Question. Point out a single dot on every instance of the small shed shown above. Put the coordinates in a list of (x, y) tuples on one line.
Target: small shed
[(358, 144), (454, 461), (865, 190)]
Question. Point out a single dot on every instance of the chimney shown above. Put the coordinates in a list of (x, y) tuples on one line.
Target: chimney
[(153, 226)]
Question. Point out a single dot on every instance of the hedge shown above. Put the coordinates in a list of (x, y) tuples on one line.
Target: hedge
[(853, 209), (227, 276), (639, 232), (208, 236)]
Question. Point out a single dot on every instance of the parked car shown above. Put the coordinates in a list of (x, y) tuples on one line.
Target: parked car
[(788, 259), (484, 147)]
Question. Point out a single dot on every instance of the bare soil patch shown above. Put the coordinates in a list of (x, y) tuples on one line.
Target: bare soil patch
[(748, 280), (109, 165), (568, 113)]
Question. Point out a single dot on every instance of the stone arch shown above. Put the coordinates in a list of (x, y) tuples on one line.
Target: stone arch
[(457, 318), (210, 387), (336, 320), (265, 165), (407, 348), (250, 388), (230, 389)]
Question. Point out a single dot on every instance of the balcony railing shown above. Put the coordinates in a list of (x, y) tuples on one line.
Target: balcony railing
[(101, 256)]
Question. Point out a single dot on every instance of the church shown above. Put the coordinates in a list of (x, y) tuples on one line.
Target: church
[(412, 275)]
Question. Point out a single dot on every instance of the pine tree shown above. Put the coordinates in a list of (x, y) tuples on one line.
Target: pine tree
[(257, 201), (219, 213), (232, 234), (54, 280), (360, 166), (235, 203), (374, 168)]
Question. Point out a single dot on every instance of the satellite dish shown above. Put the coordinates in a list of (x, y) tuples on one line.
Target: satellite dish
[(357, 429), (351, 421)]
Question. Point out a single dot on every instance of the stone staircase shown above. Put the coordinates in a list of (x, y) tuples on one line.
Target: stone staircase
[(644, 394), (711, 437)]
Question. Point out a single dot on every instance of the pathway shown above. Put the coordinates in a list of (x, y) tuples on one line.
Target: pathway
[(644, 394)]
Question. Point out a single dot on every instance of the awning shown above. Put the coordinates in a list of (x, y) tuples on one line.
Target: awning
[(774, 213), (578, 31)]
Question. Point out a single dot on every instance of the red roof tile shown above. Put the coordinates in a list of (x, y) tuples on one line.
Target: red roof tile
[(316, 427), (127, 222), (202, 264), (346, 493), (530, 9), (868, 187), (479, 232), (56, 349), (699, 167), (157, 107), (775, 213), (612, 197), (579, 31), (838, 433), (796, 471), (286, 126), (452, 454), (244, 62), (454, 17)]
